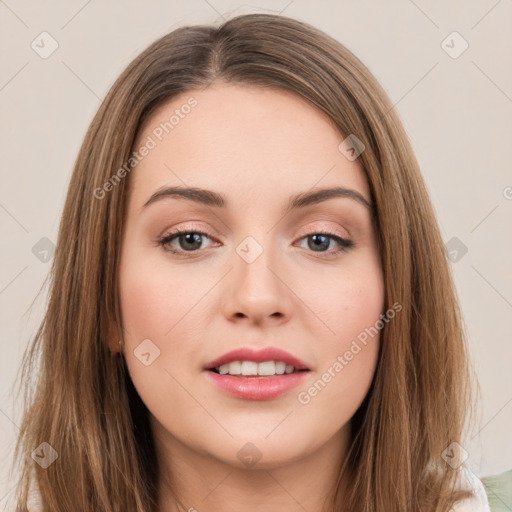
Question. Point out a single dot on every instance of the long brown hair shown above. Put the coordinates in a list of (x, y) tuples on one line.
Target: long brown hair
[(83, 403)]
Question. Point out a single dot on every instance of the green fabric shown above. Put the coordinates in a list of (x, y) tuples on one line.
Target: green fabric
[(499, 491)]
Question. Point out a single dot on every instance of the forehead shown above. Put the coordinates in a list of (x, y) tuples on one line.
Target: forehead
[(249, 140)]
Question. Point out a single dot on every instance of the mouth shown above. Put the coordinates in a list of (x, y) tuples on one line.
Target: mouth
[(256, 375)]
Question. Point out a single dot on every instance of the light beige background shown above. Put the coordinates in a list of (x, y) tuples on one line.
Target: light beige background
[(457, 111)]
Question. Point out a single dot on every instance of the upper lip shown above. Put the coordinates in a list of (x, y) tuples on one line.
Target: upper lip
[(258, 356)]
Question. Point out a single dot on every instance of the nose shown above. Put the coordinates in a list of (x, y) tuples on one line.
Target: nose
[(256, 292)]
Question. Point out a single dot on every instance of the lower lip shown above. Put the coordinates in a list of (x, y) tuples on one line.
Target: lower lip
[(256, 388)]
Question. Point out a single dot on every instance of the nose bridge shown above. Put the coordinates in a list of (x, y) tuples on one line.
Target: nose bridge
[(255, 289), (254, 257)]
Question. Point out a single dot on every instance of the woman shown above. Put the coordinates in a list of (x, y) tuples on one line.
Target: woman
[(250, 305)]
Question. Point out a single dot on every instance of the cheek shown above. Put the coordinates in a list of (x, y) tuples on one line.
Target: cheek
[(165, 305), (344, 301), (151, 311), (333, 397), (345, 370), (145, 304), (156, 299), (350, 308)]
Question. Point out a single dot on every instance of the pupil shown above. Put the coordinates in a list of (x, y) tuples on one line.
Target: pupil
[(317, 242), (191, 238)]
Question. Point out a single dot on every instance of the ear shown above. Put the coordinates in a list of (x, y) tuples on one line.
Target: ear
[(114, 338)]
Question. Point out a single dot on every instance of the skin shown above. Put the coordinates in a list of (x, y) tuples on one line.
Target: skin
[(257, 147)]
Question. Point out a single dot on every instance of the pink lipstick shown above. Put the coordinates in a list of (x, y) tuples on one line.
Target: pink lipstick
[(256, 375)]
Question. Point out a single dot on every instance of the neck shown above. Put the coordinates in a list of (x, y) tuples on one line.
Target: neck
[(202, 482)]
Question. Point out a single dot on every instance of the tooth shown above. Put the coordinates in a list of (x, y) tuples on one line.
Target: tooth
[(223, 369), (280, 367), (249, 368), (235, 368), (267, 368)]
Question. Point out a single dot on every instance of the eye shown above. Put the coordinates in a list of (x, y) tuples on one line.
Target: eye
[(319, 241), (188, 240)]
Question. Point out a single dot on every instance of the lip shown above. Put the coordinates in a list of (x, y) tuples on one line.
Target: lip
[(258, 356), (256, 388)]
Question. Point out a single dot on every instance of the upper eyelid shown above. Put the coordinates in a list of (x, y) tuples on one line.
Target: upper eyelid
[(201, 231), (338, 231)]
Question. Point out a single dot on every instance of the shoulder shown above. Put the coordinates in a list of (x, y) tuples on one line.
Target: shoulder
[(467, 480)]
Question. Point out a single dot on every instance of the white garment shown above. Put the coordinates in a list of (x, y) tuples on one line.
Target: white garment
[(479, 503)]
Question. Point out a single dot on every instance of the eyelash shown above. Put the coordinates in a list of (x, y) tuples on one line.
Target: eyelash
[(344, 244)]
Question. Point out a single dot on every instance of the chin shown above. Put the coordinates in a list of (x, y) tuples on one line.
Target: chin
[(255, 452)]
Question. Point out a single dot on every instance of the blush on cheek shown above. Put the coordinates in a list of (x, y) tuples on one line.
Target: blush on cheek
[(151, 302), (140, 307)]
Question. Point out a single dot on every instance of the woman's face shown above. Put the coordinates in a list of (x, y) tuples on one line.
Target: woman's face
[(263, 267)]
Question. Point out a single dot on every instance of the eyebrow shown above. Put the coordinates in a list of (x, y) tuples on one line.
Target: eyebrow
[(215, 199)]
